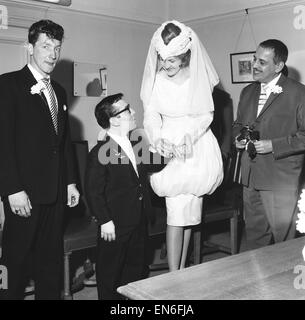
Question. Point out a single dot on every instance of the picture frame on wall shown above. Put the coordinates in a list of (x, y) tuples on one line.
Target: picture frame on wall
[(241, 67), (89, 79)]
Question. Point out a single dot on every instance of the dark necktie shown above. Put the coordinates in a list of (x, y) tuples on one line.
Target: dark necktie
[(53, 106)]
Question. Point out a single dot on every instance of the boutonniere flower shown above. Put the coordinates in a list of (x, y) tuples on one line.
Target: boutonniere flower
[(38, 88), (277, 89), (119, 154), (65, 107)]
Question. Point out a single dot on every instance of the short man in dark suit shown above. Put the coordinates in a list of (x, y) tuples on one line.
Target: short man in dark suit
[(116, 189), (36, 167), (274, 110)]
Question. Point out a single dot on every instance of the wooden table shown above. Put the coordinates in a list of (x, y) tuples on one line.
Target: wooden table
[(265, 273)]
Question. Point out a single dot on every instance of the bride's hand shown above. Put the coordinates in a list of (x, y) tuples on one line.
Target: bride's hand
[(184, 148), (165, 148)]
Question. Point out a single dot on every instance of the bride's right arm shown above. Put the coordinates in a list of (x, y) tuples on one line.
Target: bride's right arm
[(152, 124)]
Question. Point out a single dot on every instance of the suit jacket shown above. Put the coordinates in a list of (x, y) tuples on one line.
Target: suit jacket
[(33, 157), (282, 120), (112, 188)]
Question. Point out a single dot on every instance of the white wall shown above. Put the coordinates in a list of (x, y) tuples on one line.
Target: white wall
[(220, 36), (155, 11), (141, 10), (121, 44), (187, 10)]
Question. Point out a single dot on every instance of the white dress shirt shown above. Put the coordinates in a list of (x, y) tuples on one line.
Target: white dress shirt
[(270, 85), (38, 76), (125, 144), (267, 88)]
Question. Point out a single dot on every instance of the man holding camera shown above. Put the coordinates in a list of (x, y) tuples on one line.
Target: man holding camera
[(270, 129)]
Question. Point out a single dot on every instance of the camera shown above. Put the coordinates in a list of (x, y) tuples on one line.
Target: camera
[(248, 134)]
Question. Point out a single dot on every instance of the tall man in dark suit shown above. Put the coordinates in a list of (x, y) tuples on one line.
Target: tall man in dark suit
[(117, 194), (274, 108), (36, 167)]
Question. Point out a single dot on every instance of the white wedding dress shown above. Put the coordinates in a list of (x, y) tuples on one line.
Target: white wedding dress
[(182, 182)]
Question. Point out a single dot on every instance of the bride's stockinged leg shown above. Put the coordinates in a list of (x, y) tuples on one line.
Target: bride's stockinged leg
[(186, 241), (174, 242)]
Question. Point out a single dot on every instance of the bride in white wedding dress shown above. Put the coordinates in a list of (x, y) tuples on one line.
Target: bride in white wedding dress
[(176, 91)]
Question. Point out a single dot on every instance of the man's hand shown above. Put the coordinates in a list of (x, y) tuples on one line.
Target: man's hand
[(263, 146), (108, 231), (241, 144), (20, 204), (73, 195)]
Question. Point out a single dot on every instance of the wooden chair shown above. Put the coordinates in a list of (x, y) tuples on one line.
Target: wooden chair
[(81, 229), (217, 213), (211, 214)]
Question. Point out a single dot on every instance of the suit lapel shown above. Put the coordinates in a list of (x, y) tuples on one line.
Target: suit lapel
[(272, 97), (38, 100), (121, 155), (254, 101), (139, 167)]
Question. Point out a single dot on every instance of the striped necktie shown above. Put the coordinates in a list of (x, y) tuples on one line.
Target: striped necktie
[(53, 103), (262, 99)]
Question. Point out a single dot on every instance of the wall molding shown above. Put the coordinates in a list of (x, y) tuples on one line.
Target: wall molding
[(23, 14), (234, 15), (32, 12), (13, 40)]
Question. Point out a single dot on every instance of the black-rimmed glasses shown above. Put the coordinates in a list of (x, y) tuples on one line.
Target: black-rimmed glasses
[(127, 108)]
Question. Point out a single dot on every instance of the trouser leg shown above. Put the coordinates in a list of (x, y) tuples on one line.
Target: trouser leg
[(17, 241), (258, 231), (48, 253)]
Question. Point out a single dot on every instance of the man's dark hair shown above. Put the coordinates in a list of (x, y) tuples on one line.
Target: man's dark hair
[(279, 48), (105, 110), (50, 28)]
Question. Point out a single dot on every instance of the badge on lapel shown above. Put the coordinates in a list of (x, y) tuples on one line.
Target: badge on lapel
[(119, 154)]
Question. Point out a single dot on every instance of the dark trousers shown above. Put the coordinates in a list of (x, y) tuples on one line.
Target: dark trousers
[(269, 216), (33, 246), (121, 261)]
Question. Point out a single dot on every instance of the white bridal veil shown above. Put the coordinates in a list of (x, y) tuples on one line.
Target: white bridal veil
[(203, 76)]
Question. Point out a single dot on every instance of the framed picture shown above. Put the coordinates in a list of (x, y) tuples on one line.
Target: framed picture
[(90, 79), (241, 67)]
